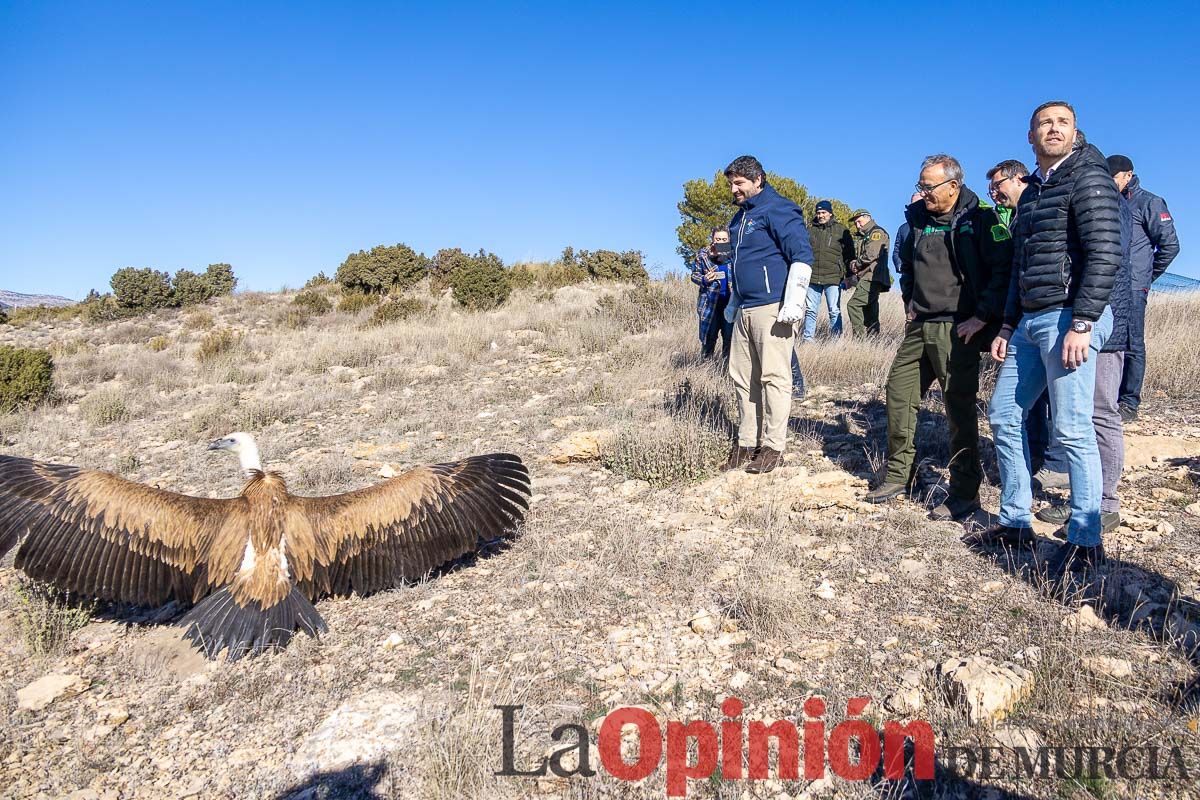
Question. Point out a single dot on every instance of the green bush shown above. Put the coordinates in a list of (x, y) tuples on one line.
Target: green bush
[(26, 377), (354, 302), (445, 264), (3, 317), (158, 344), (313, 303), (100, 308), (608, 265), (550, 275), (140, 290), (481, 283), (382, 269), (320, 279), (189, 288), (684, 451), (395, 310)]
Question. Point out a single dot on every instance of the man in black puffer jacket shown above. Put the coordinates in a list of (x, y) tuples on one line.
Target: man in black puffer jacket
[(1067, 252)]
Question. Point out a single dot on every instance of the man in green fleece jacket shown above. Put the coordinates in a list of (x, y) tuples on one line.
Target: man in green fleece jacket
[(954, 268), (833, 250)]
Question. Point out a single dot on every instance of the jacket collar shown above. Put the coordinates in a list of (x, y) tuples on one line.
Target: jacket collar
[(768, 191), (918, 215), (1133, 187)]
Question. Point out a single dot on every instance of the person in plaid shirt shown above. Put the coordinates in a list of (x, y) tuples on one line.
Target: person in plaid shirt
[(710, 273)]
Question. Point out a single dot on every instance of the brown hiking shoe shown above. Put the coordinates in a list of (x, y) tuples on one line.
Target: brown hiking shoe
[(765, 461), (738, 457)]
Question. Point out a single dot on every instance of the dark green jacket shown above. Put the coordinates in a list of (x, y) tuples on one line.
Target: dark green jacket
[(871, 256), (981, 251), (833, 250)]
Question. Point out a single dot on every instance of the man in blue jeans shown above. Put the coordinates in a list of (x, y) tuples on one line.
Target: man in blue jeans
[(1067, 252), (833, 250)]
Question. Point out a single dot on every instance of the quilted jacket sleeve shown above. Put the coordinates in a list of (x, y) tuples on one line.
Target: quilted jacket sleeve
[(1095, 207)]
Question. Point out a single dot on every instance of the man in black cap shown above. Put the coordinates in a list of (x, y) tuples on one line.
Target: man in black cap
[(1152, 248), (868, 274), (833, 250)]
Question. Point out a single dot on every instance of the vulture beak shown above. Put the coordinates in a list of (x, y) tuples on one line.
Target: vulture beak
[(216, 444)]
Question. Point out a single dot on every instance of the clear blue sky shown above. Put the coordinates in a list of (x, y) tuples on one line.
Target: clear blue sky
[(279, 137)]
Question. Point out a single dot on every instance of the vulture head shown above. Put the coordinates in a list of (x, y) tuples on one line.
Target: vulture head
[(243, 446), (253, 565)]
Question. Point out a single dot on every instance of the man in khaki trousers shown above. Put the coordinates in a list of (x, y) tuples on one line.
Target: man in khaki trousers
[(770, 272)]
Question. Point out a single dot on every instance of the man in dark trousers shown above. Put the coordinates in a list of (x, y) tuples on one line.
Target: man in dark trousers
[(1067, 253), (868, 274), (954, 268), (1152, 249), (833, 250)]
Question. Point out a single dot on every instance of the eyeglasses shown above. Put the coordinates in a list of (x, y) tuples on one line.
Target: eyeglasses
[(994, 186), (923, 189)]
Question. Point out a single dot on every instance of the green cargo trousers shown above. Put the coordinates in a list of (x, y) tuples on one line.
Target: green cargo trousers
[(863, 309), (932, 350)]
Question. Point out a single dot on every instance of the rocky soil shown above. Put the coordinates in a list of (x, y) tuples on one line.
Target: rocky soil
[(670, 594)]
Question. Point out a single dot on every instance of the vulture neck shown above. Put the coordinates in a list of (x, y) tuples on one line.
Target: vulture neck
[(248, 459)]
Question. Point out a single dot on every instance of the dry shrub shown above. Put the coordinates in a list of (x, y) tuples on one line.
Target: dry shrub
[(198, 321), (396, 309), (217, 343), (354, 302), (46, 617), (104, 407), (644, 306), (312, 303), (677, 450), (1171, 363), (158, 344)]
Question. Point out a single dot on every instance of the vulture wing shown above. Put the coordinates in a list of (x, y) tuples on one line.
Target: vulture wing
[(376, 537), (101, 536)]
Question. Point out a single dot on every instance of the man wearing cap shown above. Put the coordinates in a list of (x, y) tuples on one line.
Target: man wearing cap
[(955, 266), (833, 250), (1152, 248), (868, 274), (771, 268)]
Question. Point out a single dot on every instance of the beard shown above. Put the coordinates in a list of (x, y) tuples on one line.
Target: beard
[(1055, 149)]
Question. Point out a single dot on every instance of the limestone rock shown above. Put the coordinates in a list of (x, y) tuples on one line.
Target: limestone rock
[(987, 689), (580, 446), (1107, 666), (49, 688), (364, 729), (1083, 620)]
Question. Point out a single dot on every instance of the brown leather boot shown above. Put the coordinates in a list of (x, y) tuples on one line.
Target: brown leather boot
[(738, 457), (765, 460)]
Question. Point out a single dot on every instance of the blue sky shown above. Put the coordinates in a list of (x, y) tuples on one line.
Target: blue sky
[(279, 137)]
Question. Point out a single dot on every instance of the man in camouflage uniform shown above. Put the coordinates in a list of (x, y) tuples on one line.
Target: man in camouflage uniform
[(868, 274)]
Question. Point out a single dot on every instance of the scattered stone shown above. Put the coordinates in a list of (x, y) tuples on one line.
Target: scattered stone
[(580, 446), (825, 591), (364, 729), (1107, 666), (986, 689), (908, 700), (1162, 493), (991, 587), (739, 680), (1084, 619), (913, 569), (704, 622), (47, 689)]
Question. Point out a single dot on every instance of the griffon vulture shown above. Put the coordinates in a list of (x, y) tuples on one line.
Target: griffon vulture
[(252, 565)]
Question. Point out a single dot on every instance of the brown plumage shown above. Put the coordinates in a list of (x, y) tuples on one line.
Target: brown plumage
[(252, 564)]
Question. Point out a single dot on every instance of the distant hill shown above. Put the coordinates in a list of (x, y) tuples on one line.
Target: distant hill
[(1169, 282), (18, 300)]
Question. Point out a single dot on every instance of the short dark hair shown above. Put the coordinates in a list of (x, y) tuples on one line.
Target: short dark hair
[(1010, 168), (1050, 104), (1080, 140), (718, 229), (747, 167)]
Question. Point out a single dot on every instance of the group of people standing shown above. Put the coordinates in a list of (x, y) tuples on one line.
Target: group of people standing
[(1051, 283)]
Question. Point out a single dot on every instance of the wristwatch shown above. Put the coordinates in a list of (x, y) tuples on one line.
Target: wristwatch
[(1081, 326)]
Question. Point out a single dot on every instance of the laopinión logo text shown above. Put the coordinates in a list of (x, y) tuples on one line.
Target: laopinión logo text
[(852, 750)]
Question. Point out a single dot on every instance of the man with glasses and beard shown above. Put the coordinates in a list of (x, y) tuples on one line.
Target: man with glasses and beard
[(954, 269), (1067, 255)]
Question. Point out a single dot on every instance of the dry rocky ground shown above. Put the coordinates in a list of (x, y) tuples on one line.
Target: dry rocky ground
[(671, 593)]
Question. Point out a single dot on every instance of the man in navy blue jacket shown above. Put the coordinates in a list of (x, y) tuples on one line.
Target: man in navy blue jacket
[(771, 269), (1152, 249)]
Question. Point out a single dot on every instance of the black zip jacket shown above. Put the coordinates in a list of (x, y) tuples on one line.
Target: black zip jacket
[(1067, 240)]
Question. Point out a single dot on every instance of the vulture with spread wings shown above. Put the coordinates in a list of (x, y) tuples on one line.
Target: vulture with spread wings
[(251, 565)]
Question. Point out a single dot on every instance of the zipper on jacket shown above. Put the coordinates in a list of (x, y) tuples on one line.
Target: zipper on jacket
[(736, 247), (766, 279)]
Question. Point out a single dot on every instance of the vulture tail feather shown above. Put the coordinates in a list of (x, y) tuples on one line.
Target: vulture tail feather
[(220, 622)]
